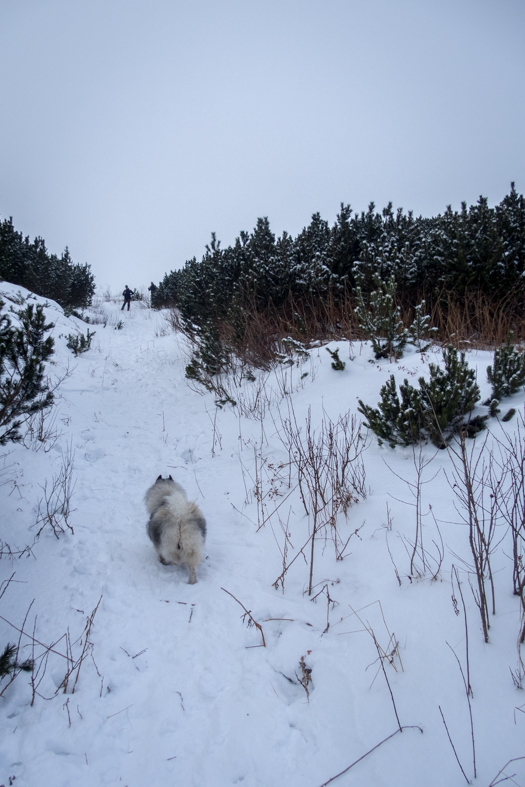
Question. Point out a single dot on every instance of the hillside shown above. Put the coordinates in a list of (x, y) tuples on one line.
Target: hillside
[(171, 683)]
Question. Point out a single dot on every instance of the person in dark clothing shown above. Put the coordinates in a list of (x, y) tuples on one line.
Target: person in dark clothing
[(127, 297), (154, 290)]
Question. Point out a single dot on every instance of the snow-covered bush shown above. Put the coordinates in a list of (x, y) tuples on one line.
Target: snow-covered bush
[(381, 319), (420, 329), (79, 343), (23, 352), (337, 363), (433, 411), (295, 352), (10, 667), (208, 357), (507, 375)]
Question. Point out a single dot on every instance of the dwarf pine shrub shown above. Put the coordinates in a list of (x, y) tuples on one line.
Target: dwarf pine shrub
[(23, 387), (396, 422), (295, 352), (381, 319), (79, 343), (420, 329), (506, 375), (209, 356), (433, 412), (9, 663), (337, 363)]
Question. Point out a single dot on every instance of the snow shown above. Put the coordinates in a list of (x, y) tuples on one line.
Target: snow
[(176, 686)]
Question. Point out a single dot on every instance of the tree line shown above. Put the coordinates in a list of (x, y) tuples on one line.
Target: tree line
[(29, 264), (477, 248)]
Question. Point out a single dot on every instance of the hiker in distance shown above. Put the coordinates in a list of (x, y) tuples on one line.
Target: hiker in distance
[(153, 290), (127, 297)]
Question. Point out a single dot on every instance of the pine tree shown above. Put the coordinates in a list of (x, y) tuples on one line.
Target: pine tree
[(23, 353), (507, 375), (9, 663), (447, 396), (395, 422), (381, 320), (31, 266), (337, 363), (432, 412), (420, 329)]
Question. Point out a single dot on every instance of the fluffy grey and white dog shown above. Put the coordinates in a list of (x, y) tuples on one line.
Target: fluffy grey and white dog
[(176, 526)]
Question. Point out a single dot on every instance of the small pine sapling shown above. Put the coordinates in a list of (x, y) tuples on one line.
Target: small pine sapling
[(9, 664), (448, 396), (79, 343), (23, 352), (420, 329), (507, 375), (293, 348), (337, 363), (381, 320), (433, 412), (209, 356), (395, 422)]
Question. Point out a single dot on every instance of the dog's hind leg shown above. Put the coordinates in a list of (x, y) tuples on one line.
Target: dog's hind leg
[(192, 580)]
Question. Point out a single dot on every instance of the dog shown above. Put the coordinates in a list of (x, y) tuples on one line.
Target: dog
[(176, 526)]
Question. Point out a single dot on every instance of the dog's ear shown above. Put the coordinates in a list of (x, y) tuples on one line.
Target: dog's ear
[(170, 478), (159, 478)]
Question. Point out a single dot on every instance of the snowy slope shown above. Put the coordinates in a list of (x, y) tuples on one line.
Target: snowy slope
[(176, 687)]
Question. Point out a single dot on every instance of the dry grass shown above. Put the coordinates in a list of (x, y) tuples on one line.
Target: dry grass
[(479, 321), (255, 336)]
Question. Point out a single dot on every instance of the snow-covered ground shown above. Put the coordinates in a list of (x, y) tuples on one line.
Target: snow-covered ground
[(176, 687)]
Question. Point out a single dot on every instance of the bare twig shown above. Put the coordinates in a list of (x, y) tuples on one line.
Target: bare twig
[(409, 727), (249, 614), (494, 782), (453, 747)]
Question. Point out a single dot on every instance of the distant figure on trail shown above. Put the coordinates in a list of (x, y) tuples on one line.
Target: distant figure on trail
[(127, 297), (154, 290)]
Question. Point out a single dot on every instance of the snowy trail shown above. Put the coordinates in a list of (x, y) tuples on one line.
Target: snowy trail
[(179, 690)]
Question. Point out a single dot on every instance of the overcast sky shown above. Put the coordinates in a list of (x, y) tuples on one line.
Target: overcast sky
[(132, 129)]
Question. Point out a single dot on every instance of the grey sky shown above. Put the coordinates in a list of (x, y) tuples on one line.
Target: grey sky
[(132, 129)]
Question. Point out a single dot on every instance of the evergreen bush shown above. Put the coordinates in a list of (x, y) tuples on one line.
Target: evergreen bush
[(420, 330), (337, 363), (9, 663), (23, 353), (476, 251), (433, 412), (296, 352), (506, 375), (209, 356), (395, 422), (79, 343), (381, 319), (30, 265)]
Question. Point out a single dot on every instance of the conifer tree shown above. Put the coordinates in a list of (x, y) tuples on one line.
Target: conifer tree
[(381, 320), (420, 329), (395, 422), (31, 266), (432, 412), (9, 663), (448, 395), (506, 375), (23, 353)]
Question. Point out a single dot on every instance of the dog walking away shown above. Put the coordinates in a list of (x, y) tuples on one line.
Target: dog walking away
[(176, 526)]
